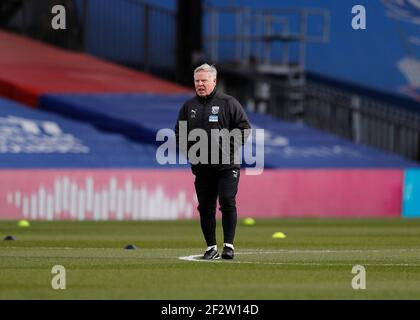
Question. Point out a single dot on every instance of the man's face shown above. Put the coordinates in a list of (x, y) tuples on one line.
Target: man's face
[(204, 83)]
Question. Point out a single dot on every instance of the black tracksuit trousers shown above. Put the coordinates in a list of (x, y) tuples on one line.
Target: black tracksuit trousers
[(212, 185)]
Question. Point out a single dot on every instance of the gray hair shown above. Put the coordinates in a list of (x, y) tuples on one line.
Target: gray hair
[(208, 68)]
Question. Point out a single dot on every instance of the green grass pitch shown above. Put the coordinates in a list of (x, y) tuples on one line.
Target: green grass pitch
[(314, 261)]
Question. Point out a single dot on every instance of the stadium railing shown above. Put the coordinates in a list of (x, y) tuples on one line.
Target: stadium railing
[(388, 123)]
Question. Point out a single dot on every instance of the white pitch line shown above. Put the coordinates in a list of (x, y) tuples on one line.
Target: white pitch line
[(329, 251), (197, 258), (246, 251)]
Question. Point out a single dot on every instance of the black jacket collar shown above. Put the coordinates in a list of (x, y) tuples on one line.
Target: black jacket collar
[(208, 97)]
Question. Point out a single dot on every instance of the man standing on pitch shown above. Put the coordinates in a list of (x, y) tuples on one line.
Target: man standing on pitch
[(210, 110)]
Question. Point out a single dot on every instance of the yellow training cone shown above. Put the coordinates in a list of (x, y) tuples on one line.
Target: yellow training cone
[(279, 235), (23, 223), (249, 221)]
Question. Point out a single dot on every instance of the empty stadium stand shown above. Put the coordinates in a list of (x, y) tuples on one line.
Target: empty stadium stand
[(29, 69), (91, 134), (42, 140), (287, 145)]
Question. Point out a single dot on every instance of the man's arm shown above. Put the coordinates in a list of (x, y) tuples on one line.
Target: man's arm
[(182, 116), (239, 120)]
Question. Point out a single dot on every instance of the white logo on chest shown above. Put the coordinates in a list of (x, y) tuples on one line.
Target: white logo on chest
[(215, 109)]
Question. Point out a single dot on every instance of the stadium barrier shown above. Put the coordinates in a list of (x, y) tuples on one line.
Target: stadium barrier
[(411, 197), (153, 195)]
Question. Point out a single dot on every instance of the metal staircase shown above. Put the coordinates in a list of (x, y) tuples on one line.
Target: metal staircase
[(261, 54)]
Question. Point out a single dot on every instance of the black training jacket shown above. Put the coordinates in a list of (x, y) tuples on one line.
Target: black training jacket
[(215, 111)]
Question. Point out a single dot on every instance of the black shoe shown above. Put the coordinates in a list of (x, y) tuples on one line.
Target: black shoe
[(227, 253), (211, 254)]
